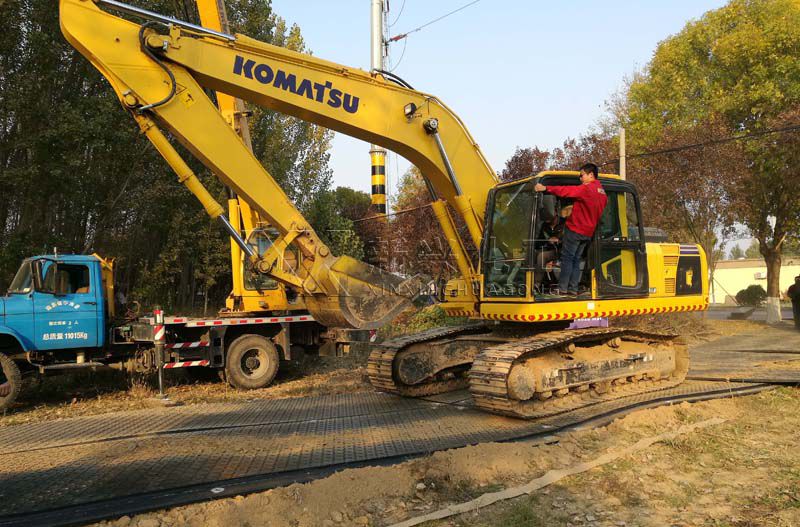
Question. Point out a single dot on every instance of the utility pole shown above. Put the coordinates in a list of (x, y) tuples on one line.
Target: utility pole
[(622, 163), (379, 51)]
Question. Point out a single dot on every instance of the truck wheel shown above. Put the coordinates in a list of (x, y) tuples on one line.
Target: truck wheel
[(252, 362), (12, 375)]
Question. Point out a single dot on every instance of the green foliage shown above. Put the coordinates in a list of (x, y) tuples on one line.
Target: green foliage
[(426, 318), (754, 295), (332, 213), (334, 227), (739, 61), (352, 204), (792, 246)]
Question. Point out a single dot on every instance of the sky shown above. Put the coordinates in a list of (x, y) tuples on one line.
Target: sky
[(518, 73)]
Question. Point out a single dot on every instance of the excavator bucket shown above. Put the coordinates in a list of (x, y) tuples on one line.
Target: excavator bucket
[(368, 296)]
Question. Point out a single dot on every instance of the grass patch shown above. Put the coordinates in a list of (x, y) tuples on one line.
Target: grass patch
[(609, 481), (463, 491), (527, 511), (685, 496)]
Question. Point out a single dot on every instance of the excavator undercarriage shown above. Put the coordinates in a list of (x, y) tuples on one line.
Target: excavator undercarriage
[(529, 372)]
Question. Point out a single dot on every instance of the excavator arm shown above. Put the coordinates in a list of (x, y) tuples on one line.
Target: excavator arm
[(159, 71)]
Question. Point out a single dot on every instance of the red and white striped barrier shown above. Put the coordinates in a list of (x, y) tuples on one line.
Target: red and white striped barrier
[(186, 364), (159, 335), (244, 321), (185, 345), (195, 323)]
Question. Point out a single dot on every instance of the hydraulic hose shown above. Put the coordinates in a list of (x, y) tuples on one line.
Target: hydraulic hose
[(147, 51)]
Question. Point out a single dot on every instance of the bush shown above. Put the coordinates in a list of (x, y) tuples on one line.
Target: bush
[(415, 321), (754, 295)]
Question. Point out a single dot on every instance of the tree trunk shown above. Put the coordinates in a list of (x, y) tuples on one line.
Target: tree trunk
[(773, 259)]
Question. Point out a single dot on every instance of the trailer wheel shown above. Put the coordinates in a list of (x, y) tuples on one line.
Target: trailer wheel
[(252, 362), (11, 375)]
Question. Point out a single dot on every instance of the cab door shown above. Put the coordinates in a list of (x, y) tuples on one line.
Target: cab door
[(507, 243), (65, 309), (620, 252)]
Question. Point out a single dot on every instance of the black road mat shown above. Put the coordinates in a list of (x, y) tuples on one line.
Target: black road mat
[(771, 355), (74, 462)]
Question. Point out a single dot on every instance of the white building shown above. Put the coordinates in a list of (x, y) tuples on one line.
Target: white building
[(731, 276)]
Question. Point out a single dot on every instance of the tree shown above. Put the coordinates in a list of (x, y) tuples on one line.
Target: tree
[(414, 242), (681, 191), (332, 213), (352, 204), (589, 148), (525, 162), (752, 250), (736, 65), (592, 147), (736, 253), (792, 246)]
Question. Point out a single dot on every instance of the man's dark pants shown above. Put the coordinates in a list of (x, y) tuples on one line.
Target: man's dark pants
[(571, 252), (796, 312)]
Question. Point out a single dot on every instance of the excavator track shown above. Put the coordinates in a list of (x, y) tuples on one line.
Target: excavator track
[(489, 377), (380, 365)]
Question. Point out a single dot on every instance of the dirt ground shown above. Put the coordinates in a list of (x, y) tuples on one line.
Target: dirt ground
[(107, 392), (743, 472)]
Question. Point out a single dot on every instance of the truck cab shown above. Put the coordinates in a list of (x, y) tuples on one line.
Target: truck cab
[(55, 306)]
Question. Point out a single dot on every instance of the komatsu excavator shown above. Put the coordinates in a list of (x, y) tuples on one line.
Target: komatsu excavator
[(525, 354)]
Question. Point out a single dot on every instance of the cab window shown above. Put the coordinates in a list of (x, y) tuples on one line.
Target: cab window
[(620, 218), (67, 279), (22, 282), (261, 240)]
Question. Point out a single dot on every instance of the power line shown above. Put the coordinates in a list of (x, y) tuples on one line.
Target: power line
[(396, 213), (404, 35), (790, 128), (403, 54), (398, 14)]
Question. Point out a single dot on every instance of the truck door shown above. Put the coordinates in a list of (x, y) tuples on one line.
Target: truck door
[(65, 310), (619, 248)]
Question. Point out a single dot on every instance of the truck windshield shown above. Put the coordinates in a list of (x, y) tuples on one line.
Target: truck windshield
[(22, 282)]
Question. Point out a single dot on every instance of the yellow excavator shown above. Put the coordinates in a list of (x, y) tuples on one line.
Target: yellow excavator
[(526, 353)]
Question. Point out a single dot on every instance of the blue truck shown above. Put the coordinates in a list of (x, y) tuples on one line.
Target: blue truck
[(60, 315)]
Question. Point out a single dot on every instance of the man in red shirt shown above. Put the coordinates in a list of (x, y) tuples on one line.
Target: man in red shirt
[(589, 201)]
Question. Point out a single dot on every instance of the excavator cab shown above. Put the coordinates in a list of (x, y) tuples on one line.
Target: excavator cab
[(521, 252)]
